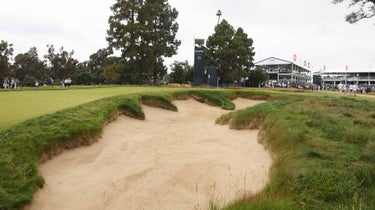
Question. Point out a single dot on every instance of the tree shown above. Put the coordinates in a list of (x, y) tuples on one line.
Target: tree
[(29, 64), (113, 73), (364, 9), (231, 51), (181, 73), (98, 61), (61, 63), (6, 53), (83, 75), (217, 52), (144, 32), (159, 37), (256, 77), (243, 53), (124, 34), (124, 28)]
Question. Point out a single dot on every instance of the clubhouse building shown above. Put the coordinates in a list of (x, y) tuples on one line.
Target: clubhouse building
[(283, 73)]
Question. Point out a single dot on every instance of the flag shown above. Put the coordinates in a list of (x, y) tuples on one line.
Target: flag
[(294, 57)]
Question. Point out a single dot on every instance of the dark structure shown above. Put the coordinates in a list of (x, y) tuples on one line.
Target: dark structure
[(218, 14), (212, 76), (198, 62)]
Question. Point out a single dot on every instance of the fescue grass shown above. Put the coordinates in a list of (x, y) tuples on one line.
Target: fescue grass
[(161, 101), (323, 146), (130, 107), (214, 98), (324, 152)]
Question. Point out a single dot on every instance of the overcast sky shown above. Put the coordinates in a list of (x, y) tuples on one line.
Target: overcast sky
[(314, 30)]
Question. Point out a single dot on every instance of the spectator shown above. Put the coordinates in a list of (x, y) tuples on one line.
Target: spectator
[(6, 83), (16, 83), (355, 89)]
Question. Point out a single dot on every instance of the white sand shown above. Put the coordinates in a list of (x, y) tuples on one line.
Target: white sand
[(172, 160)]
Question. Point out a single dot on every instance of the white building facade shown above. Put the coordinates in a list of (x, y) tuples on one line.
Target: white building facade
[(361, 77), (283, 73)]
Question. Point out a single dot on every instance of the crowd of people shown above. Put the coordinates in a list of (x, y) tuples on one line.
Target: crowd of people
[(11, 83), (350, 89), (14, 83)]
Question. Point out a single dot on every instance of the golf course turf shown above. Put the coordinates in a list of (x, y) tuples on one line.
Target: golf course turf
[(323, 145)]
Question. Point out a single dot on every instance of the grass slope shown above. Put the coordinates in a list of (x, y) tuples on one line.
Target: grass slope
[(324, 151)]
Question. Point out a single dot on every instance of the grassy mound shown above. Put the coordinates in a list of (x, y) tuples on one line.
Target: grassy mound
[(131, 108), (214, 98), (160, 101), (324, 151)]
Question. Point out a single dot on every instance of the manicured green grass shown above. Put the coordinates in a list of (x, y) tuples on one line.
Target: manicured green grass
[(17, 106)]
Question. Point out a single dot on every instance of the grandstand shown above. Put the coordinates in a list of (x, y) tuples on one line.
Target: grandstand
[(283, 73), (361, 76)]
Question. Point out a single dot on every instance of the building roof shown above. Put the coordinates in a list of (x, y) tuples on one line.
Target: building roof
[(277, 61), (328, 70), (342, 70), (272, 61)]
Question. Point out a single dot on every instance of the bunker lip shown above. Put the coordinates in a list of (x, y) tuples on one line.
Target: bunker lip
[(171, 160)]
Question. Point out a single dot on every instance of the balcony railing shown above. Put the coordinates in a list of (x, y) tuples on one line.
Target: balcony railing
[(348, 78)]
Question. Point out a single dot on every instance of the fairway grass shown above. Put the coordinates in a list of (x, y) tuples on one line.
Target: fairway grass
[(18, 106)]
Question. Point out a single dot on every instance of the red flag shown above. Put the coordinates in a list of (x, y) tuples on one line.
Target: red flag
[(294, 57)]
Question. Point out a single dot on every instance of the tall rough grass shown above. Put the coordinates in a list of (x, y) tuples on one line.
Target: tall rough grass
[(324, 152), (161, 101)]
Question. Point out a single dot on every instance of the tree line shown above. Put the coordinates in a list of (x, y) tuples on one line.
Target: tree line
[(56, 64), (143, 33)]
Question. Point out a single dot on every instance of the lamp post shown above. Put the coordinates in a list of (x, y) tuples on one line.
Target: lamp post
[(218, 14)]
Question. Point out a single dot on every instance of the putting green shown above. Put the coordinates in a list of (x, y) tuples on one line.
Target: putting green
[(18, 106)]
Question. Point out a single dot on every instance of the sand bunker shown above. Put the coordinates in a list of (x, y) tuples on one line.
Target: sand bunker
[(172, 160)]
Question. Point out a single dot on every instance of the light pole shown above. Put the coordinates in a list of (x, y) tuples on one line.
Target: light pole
[(218, 14)]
